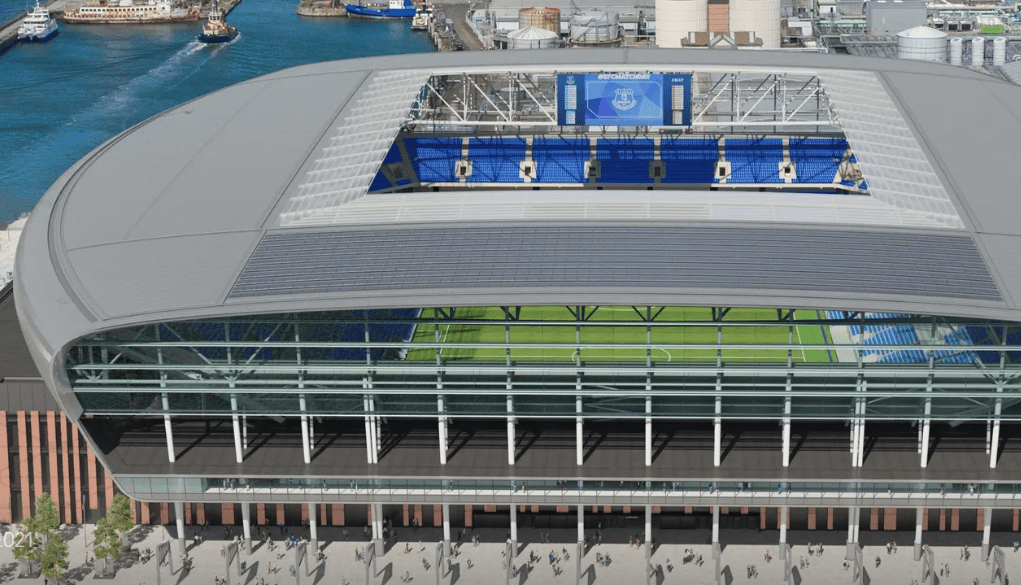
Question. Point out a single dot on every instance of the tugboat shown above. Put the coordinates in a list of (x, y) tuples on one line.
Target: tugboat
[(397, 9), (38, 26), (216, 29)]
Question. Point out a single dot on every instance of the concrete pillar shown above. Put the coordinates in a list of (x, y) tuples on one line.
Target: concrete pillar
[(648, 431), (313, 533), (787, 433), (852, 531), (304, 432), (987, 523), (442, 420), (581, 523), (918, 533), (446, 528), (370, 442), (237, 428), (166, 427), (925, 433), (861, 440), (994, 441), (578, 432), (716, 524), (181, 542), (511, 439), (783, 525), (246, 525), (718, 433), (648, 526), (514, 529)]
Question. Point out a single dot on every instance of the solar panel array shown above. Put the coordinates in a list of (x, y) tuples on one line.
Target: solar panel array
[(460, 257)]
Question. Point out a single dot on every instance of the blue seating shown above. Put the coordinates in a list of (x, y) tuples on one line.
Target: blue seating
[(496, 160), (380, 181), (817, 159), (689, 160), (755, 160), (625, 160), (434, 159), (560, 160)]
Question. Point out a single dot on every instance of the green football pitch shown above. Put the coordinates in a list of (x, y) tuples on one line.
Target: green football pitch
[(492, 333)]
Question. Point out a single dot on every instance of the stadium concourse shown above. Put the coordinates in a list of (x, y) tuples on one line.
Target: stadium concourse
[(622, 287)]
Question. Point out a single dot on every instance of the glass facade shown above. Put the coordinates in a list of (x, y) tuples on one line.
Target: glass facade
[(623, 362)]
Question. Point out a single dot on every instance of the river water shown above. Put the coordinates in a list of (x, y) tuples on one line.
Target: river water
[(61, 99)]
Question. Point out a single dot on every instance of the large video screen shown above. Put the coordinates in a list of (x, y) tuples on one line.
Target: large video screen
[(623, 99)]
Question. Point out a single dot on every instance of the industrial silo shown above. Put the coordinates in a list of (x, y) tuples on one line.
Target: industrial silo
[(759, 16), (547, 18), (533, 37), (999, 51), (595, 27), (956, 50), (922, 43), (676, 18), (978, 51)]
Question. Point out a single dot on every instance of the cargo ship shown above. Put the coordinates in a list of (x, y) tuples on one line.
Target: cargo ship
[(216, 29), (396, 9), (128, 12), (38, 26)]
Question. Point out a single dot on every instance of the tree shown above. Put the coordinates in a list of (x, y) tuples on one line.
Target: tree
[(38, 530), (107, 537), (53, 561)]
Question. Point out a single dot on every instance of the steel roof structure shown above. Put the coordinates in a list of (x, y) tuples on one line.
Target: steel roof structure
[(253, 200)]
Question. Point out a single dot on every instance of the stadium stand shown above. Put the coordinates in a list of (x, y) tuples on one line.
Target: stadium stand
[(755, 160), (434, 158), (380, 181), (625, 160), (885, 335), (817, 159), (689, 160), (560, 160), (496, 160)]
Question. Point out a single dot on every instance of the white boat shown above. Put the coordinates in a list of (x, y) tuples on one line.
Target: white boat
[(38, 26), (128, 12)]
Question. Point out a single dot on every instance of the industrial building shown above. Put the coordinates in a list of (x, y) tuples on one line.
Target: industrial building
[(670, 282)]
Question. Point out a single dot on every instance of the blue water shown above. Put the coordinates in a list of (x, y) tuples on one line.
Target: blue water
[(61, 99)]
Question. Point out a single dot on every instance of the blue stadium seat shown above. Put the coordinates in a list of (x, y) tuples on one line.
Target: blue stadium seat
[(434, 159), (755, 160), (560, 160), (689, 160), (625, 160), (496, 160), (817, 159)]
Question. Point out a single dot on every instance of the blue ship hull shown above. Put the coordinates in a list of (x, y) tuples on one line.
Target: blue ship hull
[(41, 39), (356, 11), (204, 38)]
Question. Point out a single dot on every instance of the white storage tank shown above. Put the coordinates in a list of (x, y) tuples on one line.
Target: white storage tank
[(978, 51), (759, 16), (533, 37), (999, 50), (956, 50), (922, 43), (595, 27), (676, 18)]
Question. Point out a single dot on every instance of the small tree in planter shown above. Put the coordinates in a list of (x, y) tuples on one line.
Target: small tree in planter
[(109, 529), (38, 529), (53, 561)]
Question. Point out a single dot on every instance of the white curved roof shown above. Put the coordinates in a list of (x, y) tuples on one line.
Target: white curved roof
[(533, 33), (200, 210), (922, 32)]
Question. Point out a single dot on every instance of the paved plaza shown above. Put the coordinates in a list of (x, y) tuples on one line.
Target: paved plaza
[(411, 558)]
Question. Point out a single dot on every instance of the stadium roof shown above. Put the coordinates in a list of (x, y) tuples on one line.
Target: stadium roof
[(252, 200)]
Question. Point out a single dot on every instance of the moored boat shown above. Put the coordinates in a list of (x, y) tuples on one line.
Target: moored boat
[(422, 17), (396, 9), (216, 29), (38, 26), (128, 12)]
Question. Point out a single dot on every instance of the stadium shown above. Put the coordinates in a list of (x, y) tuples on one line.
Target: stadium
[(663, 280)]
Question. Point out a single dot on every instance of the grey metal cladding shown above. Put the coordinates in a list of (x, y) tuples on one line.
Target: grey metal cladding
[(886, 263)]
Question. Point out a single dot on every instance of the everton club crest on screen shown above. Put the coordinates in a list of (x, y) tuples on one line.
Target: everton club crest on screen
[(623, 99)]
